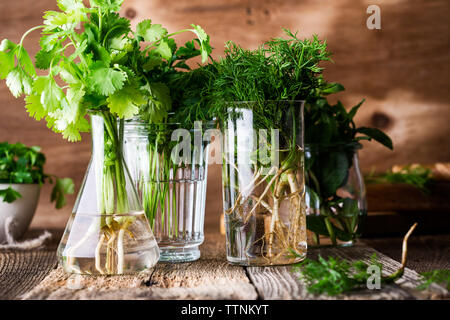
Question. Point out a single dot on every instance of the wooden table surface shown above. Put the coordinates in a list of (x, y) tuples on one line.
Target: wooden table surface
[(34, 274)]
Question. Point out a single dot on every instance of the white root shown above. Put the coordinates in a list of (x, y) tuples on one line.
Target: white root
[(263, 203), (120, 254), (273, 221), (109, 257), (97, 254), (262, 196)]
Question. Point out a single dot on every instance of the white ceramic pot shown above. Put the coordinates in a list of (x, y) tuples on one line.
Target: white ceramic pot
[(20, 211)]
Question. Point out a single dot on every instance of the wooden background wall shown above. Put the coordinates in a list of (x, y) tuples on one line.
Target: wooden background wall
[(402, 70)]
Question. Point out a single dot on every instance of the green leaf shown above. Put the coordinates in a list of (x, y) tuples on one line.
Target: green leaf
[(125, 102), (150, 32), (34, 107), (105, 81), (331, 88), (377, 135), (7, 46), (333, 171), (6, 64), (9, 195), (79, 50), (25, 61), (72, 131), (44, 58), (19, 82), (164, 50), (51, 94), (67, 73), (159, 103), (354, 110), (204, 41), (60, 190), (70, 5), (22, 177), (48, 42), (152, 62), (107, 5)]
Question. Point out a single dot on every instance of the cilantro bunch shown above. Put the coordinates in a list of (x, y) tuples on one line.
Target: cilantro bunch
[(94, 60), (20, 164)]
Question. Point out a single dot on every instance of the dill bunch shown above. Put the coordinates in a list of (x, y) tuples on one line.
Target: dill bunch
[(281, 69)]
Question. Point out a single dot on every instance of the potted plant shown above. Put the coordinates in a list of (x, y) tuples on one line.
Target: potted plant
[(258, 96), (335, 191), (102, 66), (21, 177)]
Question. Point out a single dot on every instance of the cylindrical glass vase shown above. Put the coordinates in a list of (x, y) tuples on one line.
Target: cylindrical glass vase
[(335, 194), (263, 183), (108, 232), (169, 165)]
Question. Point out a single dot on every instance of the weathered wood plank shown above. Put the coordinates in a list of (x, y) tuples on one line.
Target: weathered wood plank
[(282, 283), (20, 271), (209, 278)]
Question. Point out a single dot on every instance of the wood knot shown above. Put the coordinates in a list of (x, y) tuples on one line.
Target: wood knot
[(130, 13), (381, 120)]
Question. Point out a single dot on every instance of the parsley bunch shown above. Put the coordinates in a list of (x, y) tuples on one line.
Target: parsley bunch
[(20, 164), (102, 63)]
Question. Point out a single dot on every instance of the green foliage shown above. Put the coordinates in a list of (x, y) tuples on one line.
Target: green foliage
[(414, 175), (281, 69), (441, 277), (110, 67), (331, 138), (20, 164), (334, 276)]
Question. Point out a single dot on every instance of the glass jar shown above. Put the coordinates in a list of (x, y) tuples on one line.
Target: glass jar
[(335, 194), (171, 179), (108, 232), (263, 184)]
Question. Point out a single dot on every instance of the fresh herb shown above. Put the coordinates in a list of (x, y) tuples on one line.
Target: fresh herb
[(92, 60), (20, 164), (335, 276), (332, 138), (281, 69), (414, 175), (102, 65), (267, 81), (441, 277)]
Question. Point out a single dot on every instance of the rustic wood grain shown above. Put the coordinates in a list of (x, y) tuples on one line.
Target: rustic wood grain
[(20, 271), (425, 253), (401, 69), (209, 278), (281, 283), (213, 278)]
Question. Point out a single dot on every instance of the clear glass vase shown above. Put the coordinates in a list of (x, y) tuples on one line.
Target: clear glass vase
[(169, 165), (108, 232), (335, 194), (263, 184)]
